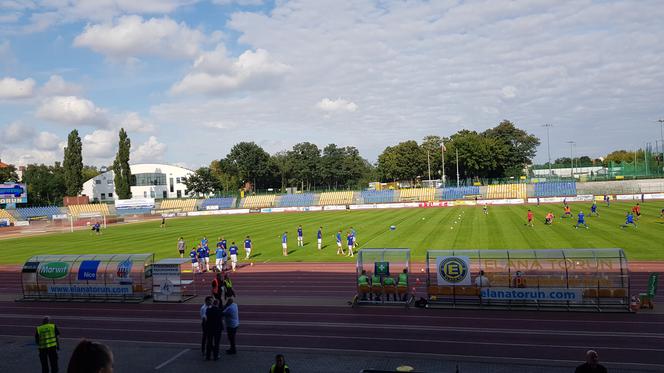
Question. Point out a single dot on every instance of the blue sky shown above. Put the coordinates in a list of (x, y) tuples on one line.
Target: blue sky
[(188, 79)]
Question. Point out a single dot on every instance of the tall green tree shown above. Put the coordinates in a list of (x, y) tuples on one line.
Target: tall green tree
[(518, 148), (226, 175), (404, 161), (330, 171), (281, 168), (250, 161), (305, 160), (8, 174), (121, 167), (73, 164), (45, 184), (202, 182)]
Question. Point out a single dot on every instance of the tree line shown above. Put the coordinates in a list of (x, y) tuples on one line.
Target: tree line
[(48, 185)]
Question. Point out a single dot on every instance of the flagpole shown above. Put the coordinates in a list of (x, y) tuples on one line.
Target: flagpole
[(457, 164), (442, 153), (429, 165)]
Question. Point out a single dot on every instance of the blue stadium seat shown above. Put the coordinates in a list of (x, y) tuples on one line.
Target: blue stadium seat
[(133, 211), (297, 200), (223, 203), (555, 189), (378, 196), (450, 194), (31, 212)]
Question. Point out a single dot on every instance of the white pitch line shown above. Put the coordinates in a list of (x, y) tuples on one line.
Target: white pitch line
[(171, 359)]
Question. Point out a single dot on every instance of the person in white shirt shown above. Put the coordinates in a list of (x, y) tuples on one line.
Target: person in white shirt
[(482, 281), (203, 313), (232, 322)]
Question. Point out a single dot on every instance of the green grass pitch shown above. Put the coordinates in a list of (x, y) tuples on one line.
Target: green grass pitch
[(418, 229)]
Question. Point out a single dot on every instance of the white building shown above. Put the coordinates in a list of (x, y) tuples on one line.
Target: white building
[(147, 181)]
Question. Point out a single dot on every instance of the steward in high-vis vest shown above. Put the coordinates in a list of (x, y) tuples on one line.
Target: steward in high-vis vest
[(280, 365), (46, 337), (216, 287)]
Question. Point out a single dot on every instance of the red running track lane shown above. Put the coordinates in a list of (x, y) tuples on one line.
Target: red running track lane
[(476, 334)]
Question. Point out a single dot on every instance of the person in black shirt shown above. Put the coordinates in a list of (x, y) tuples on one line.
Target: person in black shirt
[(213, 327), (591, 365)]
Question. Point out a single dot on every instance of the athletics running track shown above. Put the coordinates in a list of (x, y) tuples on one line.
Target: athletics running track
[(314, 317)]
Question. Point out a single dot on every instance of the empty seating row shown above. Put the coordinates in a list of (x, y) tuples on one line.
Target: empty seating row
[(31, 212), (133, 211), (254, 202), (460, 192), (297, 200), (4, 214), (336, 198), (417, 194), (555, 189), (502, 191), (378, 196), (89, 209), (220, 203), (183, 205)]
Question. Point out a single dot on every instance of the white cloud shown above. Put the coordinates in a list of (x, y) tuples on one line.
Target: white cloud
[(17, 132), (218, 125), (238, 2), (11, 88), (72, 110), (150, 151), (56, 85), (509, 91), (132, 122), (99, 147), (337, 105), (46, 141), (214, 73), (132, 36), (23, 156)]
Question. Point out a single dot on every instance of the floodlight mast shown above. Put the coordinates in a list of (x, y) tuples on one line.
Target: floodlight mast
[(548, 145)]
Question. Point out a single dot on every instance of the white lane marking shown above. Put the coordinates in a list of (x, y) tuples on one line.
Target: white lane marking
[(171, 359)]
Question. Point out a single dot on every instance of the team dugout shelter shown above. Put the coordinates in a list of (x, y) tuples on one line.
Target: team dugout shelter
[(383, 269), (116, 277), (567, 279)]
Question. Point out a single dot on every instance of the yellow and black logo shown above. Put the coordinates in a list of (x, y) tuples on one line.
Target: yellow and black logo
[(453, 269)]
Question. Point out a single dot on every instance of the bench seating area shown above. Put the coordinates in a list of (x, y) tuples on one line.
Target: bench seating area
[(555, 189), (296, 200), (378, 196), (4, 214), (178, 205), (336, 198), (89, 209), (507, 191), (221, 203), (417, 195), (453, 193), (31, 212), (256, 202)]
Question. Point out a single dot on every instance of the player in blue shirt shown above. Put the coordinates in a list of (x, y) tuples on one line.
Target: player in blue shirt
[(200, 253), (354, 234), (593, 209), (194, 260), (220, 254), (319, 235), (204, 241), (349, 238), (581, 220), (284, 244), (247, 247), (340, 249), (233, 251), (206, 250), (300, 238), (629, 219)]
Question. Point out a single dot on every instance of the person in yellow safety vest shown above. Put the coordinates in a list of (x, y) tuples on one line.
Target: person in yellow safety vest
[(46, 337), (403, 282), (375, 283), (228, 287), (280, 365), (389, 281), (363, 281)]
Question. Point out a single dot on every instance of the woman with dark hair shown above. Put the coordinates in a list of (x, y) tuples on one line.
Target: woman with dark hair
[(91, 357)]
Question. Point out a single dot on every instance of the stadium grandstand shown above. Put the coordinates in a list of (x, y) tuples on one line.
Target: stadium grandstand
[(178, 205), (5, 215), (297, 200), (417, 195), (502, 191), (93, 209), (27, 213), (218, 203), (555, 189), (378, 196), (453, 193), (336, 198), (256, 202)]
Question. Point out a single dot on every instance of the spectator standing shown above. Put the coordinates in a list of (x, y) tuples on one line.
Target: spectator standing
[(232, 321), (181, 246), (591, 365), (91, 357), (482, 281), (203, 315), (280, 365), (46, 337), (213, 327), (216, 287)]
